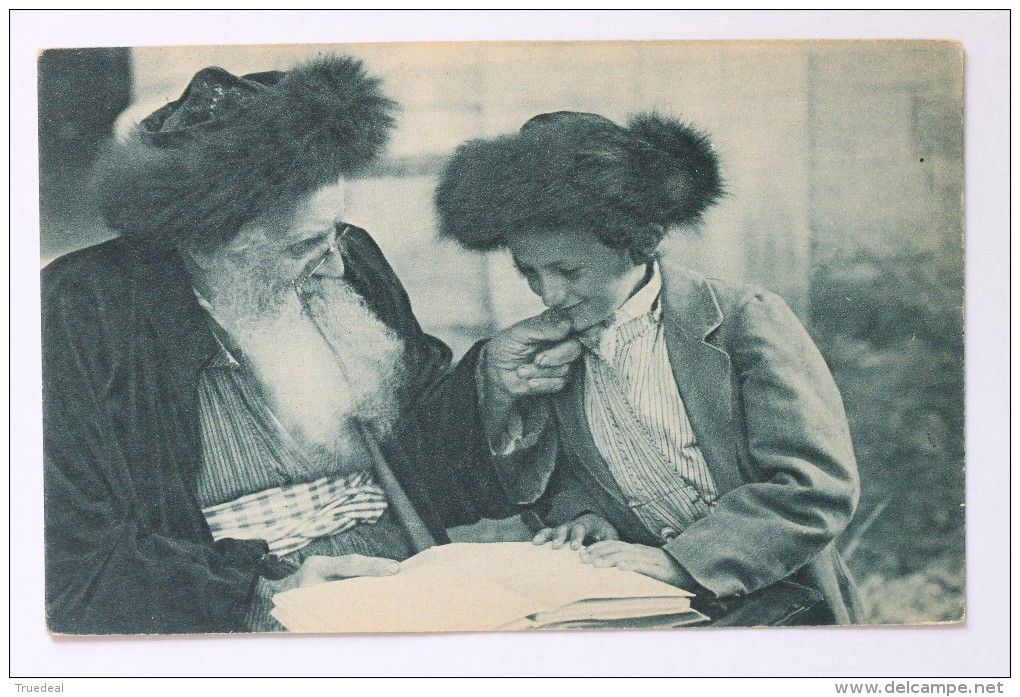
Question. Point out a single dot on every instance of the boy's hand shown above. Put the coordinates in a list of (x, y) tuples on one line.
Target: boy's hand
[(648, 561), (587, 527)]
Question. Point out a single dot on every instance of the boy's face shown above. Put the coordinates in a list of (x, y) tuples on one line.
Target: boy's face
[(575, 274)]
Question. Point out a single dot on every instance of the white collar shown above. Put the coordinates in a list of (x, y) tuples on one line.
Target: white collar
[(643, 301), (602, 339)]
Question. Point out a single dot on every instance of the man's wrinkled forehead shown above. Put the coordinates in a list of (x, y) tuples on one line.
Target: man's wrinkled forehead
[(319, 211), (293, 231)]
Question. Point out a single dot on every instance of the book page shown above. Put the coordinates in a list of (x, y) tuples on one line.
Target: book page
[(605, 609), (550, 577), (464, 587), (413, 602)]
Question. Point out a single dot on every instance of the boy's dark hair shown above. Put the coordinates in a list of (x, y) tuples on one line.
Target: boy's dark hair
[(581, 172)]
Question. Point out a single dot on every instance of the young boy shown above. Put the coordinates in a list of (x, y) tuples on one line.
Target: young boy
[(702, 427)]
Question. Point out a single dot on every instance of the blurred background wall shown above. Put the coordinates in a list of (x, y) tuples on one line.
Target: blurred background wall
[(843, 163)]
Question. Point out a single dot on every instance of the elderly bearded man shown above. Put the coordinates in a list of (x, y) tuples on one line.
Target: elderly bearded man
[(237, 396)]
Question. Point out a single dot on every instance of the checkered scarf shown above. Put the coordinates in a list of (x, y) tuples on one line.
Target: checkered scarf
[(290, 517)]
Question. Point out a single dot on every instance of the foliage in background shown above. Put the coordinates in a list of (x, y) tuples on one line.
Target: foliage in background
[(890, 323)]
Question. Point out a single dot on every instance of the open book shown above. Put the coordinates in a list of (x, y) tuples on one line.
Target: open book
[(482, 587)]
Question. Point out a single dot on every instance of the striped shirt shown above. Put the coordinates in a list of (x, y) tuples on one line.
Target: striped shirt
[(245, 448), (638, 420), (257, 482)]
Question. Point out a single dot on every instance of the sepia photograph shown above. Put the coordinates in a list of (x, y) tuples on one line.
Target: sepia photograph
[(532, 337)]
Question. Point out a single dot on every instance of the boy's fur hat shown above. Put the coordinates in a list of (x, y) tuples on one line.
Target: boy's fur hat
[(582, 172), (232, 149)]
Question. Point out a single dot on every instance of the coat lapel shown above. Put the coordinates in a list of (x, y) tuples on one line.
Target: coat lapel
[(702, 372), (179, 322), (574, 427), (691, 314)]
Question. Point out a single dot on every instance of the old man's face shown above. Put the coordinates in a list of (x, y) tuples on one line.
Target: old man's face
[(268, 257), (323, 357), (308, 246)]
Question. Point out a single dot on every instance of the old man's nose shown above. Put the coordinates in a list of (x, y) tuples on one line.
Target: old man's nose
[(331, 266)]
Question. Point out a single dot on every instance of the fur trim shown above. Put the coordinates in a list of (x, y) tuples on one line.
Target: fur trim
[(581, 172), (691, 182), (320, 121)]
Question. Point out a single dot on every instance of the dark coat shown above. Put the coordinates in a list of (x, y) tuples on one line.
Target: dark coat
[(770, 422), (124, 342)]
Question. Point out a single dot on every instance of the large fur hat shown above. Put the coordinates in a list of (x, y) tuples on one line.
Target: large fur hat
[(234, 148), (569, 170)]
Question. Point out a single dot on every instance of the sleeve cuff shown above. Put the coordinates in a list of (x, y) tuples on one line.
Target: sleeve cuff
[(511, 439), (532, 520), (522, 431), (699, 576), (566, 506), (524, 422)]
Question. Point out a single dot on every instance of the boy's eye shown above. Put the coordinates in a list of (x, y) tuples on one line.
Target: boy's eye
[(568, 272), (523, 270)]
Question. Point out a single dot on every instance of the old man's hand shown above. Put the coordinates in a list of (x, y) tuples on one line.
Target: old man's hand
[(532, 357), (529, 359), (318, 569)]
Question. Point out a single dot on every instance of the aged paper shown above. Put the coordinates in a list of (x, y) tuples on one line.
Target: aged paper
[(843, 174), (480, 587)]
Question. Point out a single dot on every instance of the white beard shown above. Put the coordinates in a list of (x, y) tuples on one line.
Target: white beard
[(325, 378)]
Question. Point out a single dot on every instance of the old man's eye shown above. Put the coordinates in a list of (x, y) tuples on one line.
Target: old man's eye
[(303, 248)]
